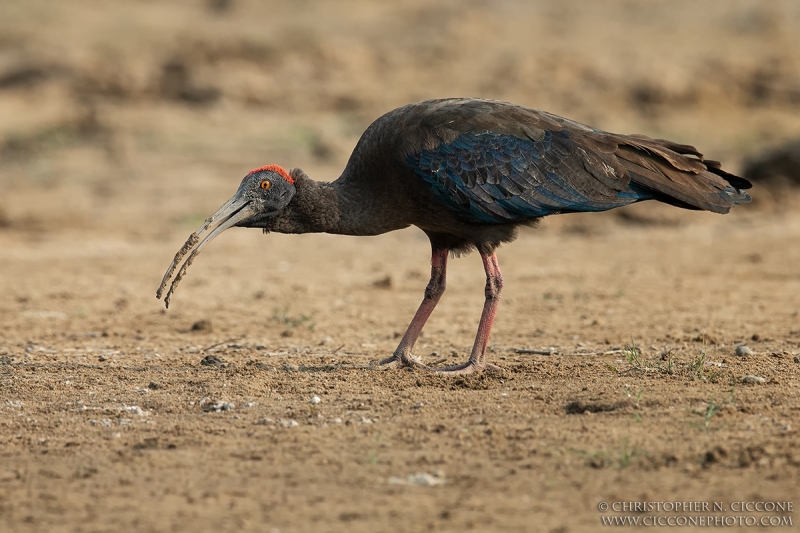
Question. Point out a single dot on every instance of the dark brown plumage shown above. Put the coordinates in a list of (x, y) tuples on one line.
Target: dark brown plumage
[(468, 173)]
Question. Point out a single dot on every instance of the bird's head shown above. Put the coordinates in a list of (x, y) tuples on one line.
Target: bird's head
[(262, 195)]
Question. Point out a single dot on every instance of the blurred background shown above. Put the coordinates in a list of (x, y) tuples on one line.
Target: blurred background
[(141, 116)]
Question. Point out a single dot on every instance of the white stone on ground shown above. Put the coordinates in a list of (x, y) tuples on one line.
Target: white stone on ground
[(742, 350)]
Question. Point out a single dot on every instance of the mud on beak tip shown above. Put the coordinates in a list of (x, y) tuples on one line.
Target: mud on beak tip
[(228, 215)]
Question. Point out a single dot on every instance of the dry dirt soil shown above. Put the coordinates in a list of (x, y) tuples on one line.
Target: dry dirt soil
[(124, 124)]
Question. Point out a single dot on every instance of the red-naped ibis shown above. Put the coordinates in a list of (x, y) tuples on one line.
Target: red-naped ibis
[(468, 173)]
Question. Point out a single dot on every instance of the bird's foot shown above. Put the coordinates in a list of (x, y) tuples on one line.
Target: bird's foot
[(470, 367), (402, 360)]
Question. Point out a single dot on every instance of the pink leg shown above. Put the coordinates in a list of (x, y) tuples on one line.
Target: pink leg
[(477, 359), (433, 292)]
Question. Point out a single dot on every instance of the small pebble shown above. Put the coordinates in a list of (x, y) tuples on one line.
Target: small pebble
[(153, 385), (383, 283), (365, 420), (101, 358), (264, 421), (336, 420), (250, 404), (289, 423), (742, 350), (797, 358), (314, 400), (212, 360), (421, 478), (218, 406), (203, 326), (426, 480), (135, 409), (754, 379)]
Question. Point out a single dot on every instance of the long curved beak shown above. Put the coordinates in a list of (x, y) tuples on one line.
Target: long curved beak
[(232, 212)]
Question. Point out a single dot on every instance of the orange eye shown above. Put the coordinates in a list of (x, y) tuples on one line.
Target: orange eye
[(265, 184)]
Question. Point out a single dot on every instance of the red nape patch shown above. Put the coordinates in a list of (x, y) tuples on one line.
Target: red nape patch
[(274, 168)]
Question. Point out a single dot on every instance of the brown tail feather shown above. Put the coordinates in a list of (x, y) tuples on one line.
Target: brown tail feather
[(663, 166)]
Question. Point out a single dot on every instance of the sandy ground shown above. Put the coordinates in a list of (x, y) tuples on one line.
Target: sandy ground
[(124, 125)]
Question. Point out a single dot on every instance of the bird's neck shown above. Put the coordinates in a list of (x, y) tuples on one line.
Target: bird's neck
[(337, 207)]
